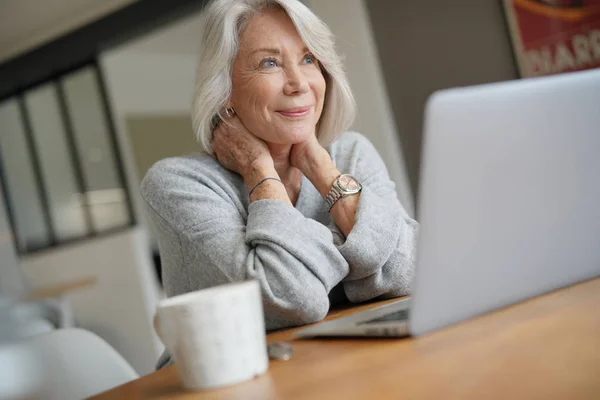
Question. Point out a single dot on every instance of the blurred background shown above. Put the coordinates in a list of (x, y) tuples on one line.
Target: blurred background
[(92, 93)]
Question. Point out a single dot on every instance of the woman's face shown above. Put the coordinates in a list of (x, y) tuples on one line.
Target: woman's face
[(278, 87)]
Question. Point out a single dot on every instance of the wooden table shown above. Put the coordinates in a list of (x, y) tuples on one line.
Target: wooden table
[(545, 348)]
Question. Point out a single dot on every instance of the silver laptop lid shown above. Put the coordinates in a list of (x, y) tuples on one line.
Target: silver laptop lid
[(510, 195)]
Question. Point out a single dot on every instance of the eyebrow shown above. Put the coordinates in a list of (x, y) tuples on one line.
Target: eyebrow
[(273, 50)]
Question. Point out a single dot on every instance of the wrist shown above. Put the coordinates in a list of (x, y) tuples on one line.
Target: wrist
[(322, 174), (257, 172)]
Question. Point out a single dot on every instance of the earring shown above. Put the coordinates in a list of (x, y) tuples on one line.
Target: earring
[(230, 112)]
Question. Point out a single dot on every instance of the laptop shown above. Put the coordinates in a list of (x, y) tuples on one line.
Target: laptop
[(509, 206)]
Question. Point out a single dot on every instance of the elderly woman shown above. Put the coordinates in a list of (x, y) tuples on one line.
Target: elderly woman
[(283, 194)]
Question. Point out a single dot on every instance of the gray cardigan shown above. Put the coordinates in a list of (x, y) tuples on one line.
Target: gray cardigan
[(209, 234)]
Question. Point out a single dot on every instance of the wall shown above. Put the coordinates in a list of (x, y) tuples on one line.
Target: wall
[(149, 83), (349, 22), (147, 134), (429, 45), (146, 85)]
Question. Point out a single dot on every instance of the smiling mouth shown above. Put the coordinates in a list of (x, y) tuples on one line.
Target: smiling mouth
[(297, 112)]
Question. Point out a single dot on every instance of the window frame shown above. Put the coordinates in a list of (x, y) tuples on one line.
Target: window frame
[(57, 81)]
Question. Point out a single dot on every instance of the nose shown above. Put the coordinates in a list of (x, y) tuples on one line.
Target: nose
[(296, 82)]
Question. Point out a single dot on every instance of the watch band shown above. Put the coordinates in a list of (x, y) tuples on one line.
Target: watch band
[(333, 195)]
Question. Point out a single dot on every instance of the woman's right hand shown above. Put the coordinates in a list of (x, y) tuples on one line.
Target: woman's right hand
[(239, 150)]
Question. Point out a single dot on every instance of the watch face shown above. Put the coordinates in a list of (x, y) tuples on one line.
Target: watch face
[(346, 182)]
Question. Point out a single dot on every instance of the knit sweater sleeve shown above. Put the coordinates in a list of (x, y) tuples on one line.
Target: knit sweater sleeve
[(380, 249), (207, 237)]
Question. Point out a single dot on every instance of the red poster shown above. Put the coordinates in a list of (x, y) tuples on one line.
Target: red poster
[(554, 36)]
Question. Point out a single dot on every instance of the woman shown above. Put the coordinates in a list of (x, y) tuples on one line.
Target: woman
[(285, 198)]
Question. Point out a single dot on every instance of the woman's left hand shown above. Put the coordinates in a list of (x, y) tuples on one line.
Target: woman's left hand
[(308, 155), (315, 163)]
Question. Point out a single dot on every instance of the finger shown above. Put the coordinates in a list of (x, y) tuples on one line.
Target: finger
[(218, 131), (224, 124), (215, 155)]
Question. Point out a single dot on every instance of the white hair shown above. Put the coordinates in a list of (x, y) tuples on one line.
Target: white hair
[(224, 20)]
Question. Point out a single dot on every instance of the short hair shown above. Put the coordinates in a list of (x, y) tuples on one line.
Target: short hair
[(223, 21)]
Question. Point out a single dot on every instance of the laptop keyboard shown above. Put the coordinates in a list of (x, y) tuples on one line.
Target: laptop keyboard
[(396, 316)]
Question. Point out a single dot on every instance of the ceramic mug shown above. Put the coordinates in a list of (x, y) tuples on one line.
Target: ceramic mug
[(215, 336)]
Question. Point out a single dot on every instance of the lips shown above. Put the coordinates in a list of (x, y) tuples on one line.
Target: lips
[(297, 112)]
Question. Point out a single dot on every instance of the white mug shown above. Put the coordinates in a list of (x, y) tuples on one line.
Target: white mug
[(216, 336)]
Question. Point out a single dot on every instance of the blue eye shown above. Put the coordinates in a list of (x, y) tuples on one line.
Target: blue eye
[(268, 63), (309, 59)]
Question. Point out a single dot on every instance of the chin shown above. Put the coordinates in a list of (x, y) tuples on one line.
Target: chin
[(298, 134), (287, 135)]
